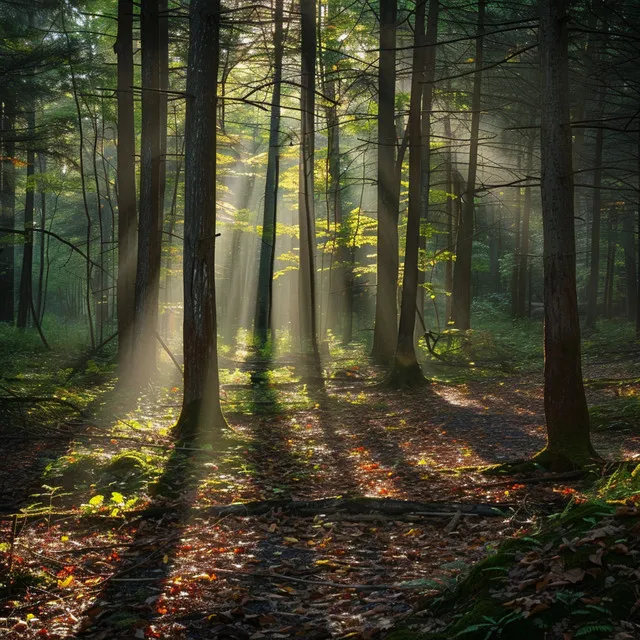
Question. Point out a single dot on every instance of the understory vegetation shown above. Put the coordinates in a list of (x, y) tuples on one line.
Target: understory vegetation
[(352, 512)]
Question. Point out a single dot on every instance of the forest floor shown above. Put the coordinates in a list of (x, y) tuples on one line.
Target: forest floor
[(110, 530)]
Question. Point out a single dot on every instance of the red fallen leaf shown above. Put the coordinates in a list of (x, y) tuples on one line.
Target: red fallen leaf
[(43, 633), (239, 550), (150, 632)]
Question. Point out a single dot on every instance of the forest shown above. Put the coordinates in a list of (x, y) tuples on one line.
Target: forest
[(320, 319)]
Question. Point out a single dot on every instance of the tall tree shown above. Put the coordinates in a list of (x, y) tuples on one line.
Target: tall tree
[(406, 370), (25, 302), (568, 439), (388, 191), (268, 244), (461, 295), (306, 215), (201, 412), (126, 175), (7, 208), (152, 173)]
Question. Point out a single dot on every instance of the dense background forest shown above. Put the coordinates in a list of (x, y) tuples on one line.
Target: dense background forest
[(342, 262)]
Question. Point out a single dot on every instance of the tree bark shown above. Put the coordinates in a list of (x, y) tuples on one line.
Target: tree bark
[(523, 258), (26, 277), (126, 175), (628, 243), (461, 297), (594, 266), (306, 215), (568, 439), (151, 191), (7, 210), (263, 322), (201, 411), (388, 192), (406, 370)]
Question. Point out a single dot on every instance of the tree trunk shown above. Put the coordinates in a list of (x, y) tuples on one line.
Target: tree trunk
[(429, 58), (406, 370), (306, 215), (594, 270), (524, 237), (461, 303), (263, 320), (126, 173), (151, 192), (43, 240), (340, 294), (568, 440), (388, 192), (628, 243), (612, 241), (7, 210), (201, 412), (25, 303)]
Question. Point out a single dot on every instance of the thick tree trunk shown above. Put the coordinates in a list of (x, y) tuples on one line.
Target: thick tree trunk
[(151, 192), (201, 412), (594, 271), (263, 322), (568, 440), (388, 190), (306, 215), (406, 370), (461, 303), (126, 173), (7, 210)]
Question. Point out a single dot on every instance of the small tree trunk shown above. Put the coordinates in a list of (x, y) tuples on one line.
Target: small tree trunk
[(126, 174), (263, 321), (594, 272), (568, 440), (7, 209), (461, 304), (406, 370), (523, 267), (628, 242), (306, 215), (388, 190), (201, 412), (26, 278), (147, 285)]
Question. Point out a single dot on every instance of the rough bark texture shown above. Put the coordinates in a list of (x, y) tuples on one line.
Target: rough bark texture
[(201, 411), (306, 216), (523, 258), (594, 266), (151, 201), (568, 440), (25, 302), (429, 59), (406, 370), (126, 172), (386, 318), (7, 210), (268, 245), (461, 297)]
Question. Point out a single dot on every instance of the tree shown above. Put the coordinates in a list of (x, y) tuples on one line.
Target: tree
[(568, 439), (267, 246), (201, 412), (126, 174), (7, 209), (388, 192), (306, 217), (152, 174), (461, 295)]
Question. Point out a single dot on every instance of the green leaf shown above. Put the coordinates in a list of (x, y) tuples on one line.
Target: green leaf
[(116, 497), (96, 501)]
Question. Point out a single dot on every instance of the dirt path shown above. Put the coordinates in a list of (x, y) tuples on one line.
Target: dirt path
[(185, 574)]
